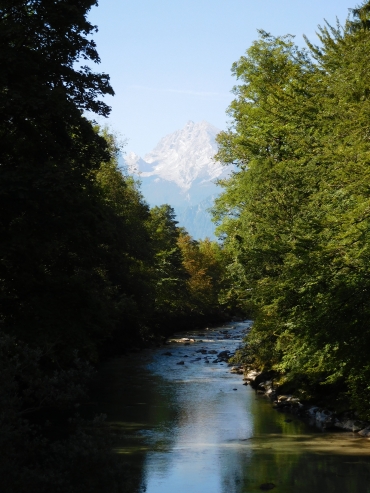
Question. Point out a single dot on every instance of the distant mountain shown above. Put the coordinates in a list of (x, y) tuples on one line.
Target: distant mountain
[(197, 219), (181, 171)]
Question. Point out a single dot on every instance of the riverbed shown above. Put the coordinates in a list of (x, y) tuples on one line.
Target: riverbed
[(185, 424)]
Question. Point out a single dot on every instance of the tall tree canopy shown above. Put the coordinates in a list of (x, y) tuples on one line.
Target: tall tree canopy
[(87, 270), (295, 216), (48, 219)]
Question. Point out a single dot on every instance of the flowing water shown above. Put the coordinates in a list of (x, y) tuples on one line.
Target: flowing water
[(195, 427)]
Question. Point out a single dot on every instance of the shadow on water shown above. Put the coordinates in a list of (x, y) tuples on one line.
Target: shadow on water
[(195, 427)]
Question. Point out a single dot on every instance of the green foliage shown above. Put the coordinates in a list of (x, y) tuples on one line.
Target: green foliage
[(48, 220), (169, 272), (295, 216), (85, 266), (203, 263)]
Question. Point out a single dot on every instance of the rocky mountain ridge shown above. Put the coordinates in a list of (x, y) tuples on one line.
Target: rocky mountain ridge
[(182, 157), (181, 171)]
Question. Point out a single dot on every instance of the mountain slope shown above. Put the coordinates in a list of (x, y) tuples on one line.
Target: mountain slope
[(181, 171)]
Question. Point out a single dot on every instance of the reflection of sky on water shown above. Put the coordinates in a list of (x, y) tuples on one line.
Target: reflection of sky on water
[(211, 416), (187, 430)]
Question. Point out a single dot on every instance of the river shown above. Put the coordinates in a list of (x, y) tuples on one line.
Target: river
[(195, 428)]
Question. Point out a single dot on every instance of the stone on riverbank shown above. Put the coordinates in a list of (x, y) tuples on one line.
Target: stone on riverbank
[(263, 383), (365, 432), (349, 425), (251, 376)]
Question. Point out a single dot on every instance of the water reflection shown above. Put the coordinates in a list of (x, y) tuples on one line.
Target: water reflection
[(186, 428)]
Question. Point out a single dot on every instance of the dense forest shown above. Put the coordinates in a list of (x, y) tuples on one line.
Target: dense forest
[(87, 269), (295, 217)]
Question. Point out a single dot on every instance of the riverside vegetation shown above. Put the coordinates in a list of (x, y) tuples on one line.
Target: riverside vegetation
[(295, 217), (88, 270)]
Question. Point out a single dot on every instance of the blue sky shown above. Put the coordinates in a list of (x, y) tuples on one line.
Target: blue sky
[(170, 60)]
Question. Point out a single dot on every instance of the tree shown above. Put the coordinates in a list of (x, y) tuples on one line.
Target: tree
[(49, 209), (295, 217), (169, 274), (298, 196), (202, 261)]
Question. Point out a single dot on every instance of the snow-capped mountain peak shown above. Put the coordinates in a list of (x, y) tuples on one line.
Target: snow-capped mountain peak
[(181, 171), (135, 164), (182, 157)]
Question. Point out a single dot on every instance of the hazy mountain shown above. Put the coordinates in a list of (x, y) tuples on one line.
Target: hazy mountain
[(197, 219), (181, 171)]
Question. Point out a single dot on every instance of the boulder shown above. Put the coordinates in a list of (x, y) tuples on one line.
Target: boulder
[(283, 398), (262, 377), (271, 393), (350, 425), (322, 417), (265, 385), (312, 411), (365, 432), (251, 376)]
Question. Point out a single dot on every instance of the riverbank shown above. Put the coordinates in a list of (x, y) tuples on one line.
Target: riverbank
[(263, 384), (183, 420)]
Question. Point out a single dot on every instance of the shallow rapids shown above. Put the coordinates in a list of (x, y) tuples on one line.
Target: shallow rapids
[(195, 427)]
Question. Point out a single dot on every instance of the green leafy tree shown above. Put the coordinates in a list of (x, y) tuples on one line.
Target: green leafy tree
[(295, 216), (169, 273), (203, 263), (49, 220)]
